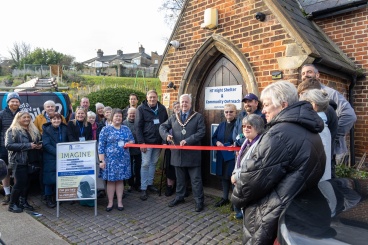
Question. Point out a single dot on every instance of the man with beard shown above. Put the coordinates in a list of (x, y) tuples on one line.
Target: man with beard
[(345, 113), (251, 106)]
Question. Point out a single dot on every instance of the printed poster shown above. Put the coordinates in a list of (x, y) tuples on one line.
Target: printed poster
[(76, 171)]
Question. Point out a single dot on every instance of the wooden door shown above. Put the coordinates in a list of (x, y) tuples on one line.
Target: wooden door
[(222, 73)]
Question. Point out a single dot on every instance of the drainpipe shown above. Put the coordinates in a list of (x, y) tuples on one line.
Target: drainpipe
[(352, 149)]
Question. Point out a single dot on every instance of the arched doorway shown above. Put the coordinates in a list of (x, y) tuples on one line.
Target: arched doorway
[(217, 62), (222, 73)]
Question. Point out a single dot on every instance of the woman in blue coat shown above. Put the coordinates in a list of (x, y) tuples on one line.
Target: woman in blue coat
[(225, 160), (53, 132)]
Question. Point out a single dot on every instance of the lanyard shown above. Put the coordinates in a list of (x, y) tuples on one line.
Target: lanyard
[(81, 129), (155, 111)]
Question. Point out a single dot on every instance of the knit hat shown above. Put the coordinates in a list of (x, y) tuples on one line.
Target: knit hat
[(12, 95)]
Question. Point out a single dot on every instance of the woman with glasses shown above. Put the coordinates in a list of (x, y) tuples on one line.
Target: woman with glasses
[(54, 132), (253, 128), (79, 129), (22, 141), (114, 158), (225, 160)]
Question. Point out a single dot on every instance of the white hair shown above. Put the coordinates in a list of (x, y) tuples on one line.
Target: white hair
[(279, 92), (49, 102), (91, 114), (99, 105), (186, 95)]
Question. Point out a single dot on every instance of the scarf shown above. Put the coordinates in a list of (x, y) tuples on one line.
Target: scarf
[(244, 148)]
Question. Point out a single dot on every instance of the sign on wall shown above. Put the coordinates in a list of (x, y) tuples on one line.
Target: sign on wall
[(217, 97)]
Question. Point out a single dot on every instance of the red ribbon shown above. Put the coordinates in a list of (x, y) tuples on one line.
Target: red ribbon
[(186, 147)]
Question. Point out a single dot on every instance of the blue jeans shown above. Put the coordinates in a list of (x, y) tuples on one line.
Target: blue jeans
[(148, 168)]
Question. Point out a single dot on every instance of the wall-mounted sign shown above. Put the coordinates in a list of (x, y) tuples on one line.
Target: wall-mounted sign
[(217, 97), (166, 99)]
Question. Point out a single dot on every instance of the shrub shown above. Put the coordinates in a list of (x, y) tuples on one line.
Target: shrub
[(113, 97), (344, 171)]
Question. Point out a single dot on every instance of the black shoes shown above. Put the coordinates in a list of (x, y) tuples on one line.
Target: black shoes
[(199, 207), (143, 196), (169, 190), (120, 208), (24, 204), (175, 202), (108, 209), (151, 188), (222, 202), (50, 202), (14, 208)]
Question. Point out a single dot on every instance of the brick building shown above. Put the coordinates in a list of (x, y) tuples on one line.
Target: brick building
[(247, 50)]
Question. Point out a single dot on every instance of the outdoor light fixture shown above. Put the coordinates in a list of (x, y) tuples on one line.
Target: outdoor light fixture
[(175, 44), (171, 85), (260, 16)]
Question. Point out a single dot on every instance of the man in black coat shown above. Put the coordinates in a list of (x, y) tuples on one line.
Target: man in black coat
[(188, 128), (6, 118), (288, 159), (149, 116)]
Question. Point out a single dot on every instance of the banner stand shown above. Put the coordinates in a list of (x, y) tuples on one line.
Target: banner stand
[(76, 173)]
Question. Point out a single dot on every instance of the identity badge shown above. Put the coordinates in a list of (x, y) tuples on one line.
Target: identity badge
[(156, 121)]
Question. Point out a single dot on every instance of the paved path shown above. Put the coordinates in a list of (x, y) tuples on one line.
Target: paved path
[(141, 222)]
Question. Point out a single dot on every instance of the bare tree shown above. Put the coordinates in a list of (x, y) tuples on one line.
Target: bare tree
[(19, 51), (171, 9)]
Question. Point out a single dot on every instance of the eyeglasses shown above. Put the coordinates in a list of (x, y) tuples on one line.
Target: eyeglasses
[(227, 112), (247, 126)]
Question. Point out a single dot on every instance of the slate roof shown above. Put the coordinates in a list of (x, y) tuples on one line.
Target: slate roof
[(125, 57), (318, 7), (323, 49)]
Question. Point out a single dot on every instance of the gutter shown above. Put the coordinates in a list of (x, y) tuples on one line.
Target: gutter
[(352, 136), (337, 10)]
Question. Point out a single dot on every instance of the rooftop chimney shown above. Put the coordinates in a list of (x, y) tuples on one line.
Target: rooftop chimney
[(119, 52), (99, 53), (141, 49)]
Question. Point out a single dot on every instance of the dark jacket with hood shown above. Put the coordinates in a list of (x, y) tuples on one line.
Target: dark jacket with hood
[(289, 159), (50, 137), (147, 125)]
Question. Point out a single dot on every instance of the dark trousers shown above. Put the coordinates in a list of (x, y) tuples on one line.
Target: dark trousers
[(195, 179), (20, 188), (135, 164)]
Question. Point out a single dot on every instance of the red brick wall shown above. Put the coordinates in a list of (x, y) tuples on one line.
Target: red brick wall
[(350, 32), (261, 42)]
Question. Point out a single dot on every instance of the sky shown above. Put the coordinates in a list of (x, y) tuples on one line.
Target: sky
[(80, 27)]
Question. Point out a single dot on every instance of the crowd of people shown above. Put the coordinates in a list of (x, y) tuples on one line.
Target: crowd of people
[(288, 143)]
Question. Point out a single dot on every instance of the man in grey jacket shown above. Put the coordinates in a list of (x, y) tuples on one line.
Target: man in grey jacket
[(345, 113), (188, 128)]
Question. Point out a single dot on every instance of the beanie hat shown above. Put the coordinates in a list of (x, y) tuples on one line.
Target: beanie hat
[(12, 95)]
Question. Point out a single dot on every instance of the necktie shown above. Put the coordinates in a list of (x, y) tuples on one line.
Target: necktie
[(183, 117)]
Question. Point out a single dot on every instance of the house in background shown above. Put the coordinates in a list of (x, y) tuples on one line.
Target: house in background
[(121, 64), (253, 43)]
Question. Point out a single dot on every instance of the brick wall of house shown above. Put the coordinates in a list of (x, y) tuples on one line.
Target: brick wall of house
[(261, 42), (349, 31)]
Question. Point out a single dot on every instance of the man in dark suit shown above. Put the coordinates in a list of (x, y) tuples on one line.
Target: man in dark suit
[(188, 128)]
